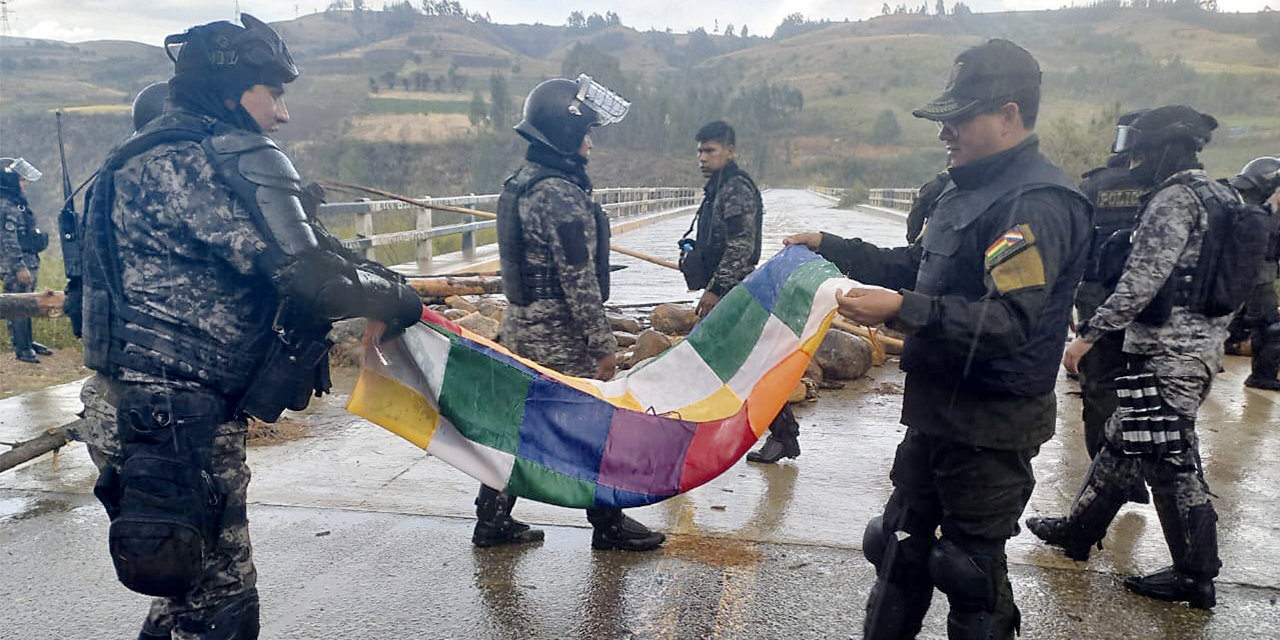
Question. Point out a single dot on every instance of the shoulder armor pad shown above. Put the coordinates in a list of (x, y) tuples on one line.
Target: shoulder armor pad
[(267, 183)]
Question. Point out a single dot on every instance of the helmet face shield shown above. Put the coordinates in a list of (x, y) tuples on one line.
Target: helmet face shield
[(23, 169), (1126, 139), (608, 106)]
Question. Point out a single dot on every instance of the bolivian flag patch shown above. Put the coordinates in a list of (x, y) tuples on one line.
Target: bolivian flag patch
[(1014, 261), (1009, 242)]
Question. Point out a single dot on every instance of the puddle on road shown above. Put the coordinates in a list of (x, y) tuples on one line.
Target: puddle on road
[(26, 507)]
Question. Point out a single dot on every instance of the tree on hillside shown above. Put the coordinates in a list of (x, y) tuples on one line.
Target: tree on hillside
[(611, 19), (941, 8), (791, 25), (389, 77), (885, 10), (745, 34), (476, 112), (886, 129), (576, 21), (373, 85), (595, 22), (699, 48), (602, 67), (728, 30), (960, 9), (500, 101), (456, 80)]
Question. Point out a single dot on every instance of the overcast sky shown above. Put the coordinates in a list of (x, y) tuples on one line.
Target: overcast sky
[(150, 20)]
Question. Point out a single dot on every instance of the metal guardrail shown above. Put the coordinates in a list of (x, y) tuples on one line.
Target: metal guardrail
[(829, 191), (899, 198), (618, 202)]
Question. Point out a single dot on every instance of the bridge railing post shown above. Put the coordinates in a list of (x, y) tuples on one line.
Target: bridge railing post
[(425, 249), (364, 228)]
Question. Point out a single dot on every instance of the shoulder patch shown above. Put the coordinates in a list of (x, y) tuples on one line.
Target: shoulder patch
[(1009, 243)]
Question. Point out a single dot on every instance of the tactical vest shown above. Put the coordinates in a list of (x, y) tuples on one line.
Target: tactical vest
[(708, 248), (1116, 200), (520, 284), (111, 322), (953, 265)]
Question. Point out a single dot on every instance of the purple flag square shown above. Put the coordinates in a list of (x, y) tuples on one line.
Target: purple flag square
[(645, 453)]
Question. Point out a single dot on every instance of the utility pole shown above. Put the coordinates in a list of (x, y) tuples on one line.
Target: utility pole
[(4, 17)]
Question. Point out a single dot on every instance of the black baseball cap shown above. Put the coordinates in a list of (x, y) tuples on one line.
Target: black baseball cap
[(997, 69)]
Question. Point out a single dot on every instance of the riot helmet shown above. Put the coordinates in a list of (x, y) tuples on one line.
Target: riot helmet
[(1162, 126), (20, 169), (1258, 179), (559, 112), (1164, 141), (12, 172), (219, 61), (149, 104)]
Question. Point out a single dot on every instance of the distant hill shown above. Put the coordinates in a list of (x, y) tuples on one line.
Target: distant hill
[(387, 96)]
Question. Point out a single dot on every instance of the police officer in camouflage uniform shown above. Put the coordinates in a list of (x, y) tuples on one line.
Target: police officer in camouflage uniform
[(985, 300), (1115, 198), (207, 300), (21, 242), (1256, 182), (1174, 349), (726, 249), (554, 247)]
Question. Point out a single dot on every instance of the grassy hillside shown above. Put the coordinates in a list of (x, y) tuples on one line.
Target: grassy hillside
[(386, 97)]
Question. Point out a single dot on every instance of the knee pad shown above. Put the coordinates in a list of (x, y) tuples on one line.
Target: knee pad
[(883, 545), (874, 541), (967, 578), (235, 619)]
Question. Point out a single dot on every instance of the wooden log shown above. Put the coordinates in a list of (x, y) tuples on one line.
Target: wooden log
[(46, 304), (441, 287), (48, 441), (892, 346)]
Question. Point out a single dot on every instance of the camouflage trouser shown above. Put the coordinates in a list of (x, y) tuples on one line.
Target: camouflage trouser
[(20, 329), (546, 333), (229, 575), (1178, 487)]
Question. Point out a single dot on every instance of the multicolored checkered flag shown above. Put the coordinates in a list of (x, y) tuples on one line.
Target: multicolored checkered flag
[(662, 428)]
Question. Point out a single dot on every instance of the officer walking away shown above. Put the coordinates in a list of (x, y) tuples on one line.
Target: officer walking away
[(1116, 201), (1174, 343), (984, 299), (207, 300), (21, 242), (553, 242), (726, 249), (1256, 183)]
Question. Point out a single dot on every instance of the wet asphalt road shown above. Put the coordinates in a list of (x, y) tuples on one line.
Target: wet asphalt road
[(358, 534)]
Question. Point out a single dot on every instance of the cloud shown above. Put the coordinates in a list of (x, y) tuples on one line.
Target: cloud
[(53, 30)]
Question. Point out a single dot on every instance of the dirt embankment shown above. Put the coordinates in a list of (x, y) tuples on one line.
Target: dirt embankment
[(16, 377)]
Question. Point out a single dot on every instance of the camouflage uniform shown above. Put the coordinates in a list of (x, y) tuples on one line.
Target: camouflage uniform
[(733, 227), (568, 334), (1184, 353), (198, 271), (17, 221)]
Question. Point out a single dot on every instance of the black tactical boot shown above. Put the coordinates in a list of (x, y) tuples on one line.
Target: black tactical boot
[(1270, 384), (1059, 532), (783, 440), (494, 524), (20, 334), (1171, 585), (41, 349), (612, 529), (143, 635)]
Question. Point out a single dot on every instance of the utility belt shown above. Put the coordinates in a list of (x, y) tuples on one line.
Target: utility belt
[(164, 500), (542, 287)]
